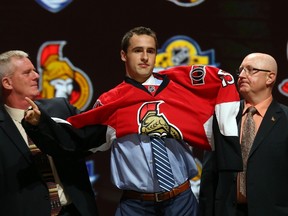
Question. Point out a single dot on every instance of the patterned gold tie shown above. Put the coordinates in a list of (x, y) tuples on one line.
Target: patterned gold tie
[(248, 135), (43, 164)]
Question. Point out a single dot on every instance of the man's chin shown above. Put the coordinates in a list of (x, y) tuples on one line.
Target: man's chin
[(35, 95), (243, 90)]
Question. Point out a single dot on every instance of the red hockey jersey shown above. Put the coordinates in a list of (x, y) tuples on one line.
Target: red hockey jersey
[(182, 107)]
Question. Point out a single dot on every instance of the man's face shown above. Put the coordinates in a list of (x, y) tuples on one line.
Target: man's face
[(24, 81), (252, 82), (140, 57)]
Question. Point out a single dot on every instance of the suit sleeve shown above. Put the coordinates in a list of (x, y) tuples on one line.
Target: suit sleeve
[(58, 139), (208, 184)]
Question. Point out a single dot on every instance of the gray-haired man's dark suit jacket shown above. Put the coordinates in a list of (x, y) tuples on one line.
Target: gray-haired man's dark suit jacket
[(22, 192)]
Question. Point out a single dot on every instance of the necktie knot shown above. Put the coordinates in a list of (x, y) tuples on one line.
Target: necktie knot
[(251, 110)]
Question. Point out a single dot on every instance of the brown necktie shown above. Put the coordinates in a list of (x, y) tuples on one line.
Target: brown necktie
[(248, 134), (43, 164)]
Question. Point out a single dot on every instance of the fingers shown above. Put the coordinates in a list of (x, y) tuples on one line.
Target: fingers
[(32, 104), (29, 108), (32, 113)]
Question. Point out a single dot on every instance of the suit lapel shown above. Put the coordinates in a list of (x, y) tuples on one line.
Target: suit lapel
[(8, 126), (239, 116), (270, 119)]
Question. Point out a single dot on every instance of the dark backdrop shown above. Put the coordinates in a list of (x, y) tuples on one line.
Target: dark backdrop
[(93, 30)]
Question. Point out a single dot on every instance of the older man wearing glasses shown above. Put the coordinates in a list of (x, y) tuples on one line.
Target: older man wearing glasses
[(262, 187)]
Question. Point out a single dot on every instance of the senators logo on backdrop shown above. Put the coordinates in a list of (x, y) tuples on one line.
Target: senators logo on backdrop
[(60, 78), (183, 50), (54, 6), (283, 86), (187, 3)]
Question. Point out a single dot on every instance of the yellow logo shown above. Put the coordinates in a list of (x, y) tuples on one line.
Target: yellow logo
[(182, 50), (151, 122), (60, 78)]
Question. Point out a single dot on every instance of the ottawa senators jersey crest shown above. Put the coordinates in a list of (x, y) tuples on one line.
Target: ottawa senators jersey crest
[(152, 122)]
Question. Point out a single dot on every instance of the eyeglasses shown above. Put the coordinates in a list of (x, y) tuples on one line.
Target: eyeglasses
[(250, 70)]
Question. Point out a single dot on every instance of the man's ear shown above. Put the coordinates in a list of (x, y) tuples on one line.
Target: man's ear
[(271, 78), (7, 83), (123, 56)]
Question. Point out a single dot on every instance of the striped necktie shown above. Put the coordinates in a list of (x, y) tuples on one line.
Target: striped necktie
[(248, 135), (162, 164), (42, 162)]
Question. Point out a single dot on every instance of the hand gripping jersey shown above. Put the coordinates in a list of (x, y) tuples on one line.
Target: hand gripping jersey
[(183, 106)]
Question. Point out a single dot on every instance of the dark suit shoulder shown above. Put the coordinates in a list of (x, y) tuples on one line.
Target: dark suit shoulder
[(57, 107), (56, 100), (284, 108)]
